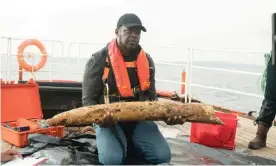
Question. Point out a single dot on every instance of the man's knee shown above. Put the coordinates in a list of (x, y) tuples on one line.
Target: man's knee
[(111, 158), (267, 112), (148, 135), (162, 155), (110, 149)]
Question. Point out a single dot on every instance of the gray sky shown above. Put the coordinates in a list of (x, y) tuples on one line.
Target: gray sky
[(224, 24)]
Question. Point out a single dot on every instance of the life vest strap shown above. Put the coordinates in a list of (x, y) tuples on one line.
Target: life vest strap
[(136, 90), (131, 64)]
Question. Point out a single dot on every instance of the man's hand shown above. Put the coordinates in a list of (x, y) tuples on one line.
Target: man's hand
[(174, 121), (107, 121), (9, 155)]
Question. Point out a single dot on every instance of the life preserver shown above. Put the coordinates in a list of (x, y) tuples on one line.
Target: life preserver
[(166, 94), (20, 58), (120, 72)]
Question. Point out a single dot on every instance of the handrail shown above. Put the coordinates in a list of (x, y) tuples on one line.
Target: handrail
[(226, 50), (46, 40), (210, 87), (227, 90), (169, 64), (227, 70)]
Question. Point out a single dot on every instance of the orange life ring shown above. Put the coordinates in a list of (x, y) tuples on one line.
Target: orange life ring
[(20, 58)]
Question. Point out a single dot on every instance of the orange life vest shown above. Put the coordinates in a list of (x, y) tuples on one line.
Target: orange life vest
[(120, 72)]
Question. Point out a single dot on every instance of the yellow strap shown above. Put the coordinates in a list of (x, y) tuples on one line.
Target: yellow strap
[(128, 65), (106, 71), (131, 64)]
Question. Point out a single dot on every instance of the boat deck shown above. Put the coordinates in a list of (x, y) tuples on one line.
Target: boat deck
[(245, 132)]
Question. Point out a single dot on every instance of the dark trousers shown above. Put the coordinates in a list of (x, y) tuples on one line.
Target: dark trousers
[(268, 109)]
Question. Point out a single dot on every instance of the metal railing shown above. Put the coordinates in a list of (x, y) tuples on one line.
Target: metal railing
[(188, 66)]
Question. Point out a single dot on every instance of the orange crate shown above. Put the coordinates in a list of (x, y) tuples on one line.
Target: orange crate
[(21, 106)]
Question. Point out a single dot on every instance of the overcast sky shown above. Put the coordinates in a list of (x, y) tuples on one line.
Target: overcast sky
[(224, 24)]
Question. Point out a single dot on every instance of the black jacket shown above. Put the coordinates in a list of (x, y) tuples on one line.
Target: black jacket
[(93, 86)]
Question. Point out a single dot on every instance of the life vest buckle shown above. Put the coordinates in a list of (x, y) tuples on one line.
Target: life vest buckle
[(136, 89), (107, 64)]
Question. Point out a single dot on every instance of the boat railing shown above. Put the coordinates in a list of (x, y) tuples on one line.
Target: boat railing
[(8, 50), (76, 53), (189, 72), (191, 66)]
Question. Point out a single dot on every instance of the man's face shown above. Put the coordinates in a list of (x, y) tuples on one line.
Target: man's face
[(129, 37)]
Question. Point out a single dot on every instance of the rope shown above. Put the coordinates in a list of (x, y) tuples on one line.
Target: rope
[(113, 128), (263, 78)]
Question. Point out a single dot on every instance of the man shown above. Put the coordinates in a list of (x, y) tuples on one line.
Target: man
[(128, 74), (268, 109)]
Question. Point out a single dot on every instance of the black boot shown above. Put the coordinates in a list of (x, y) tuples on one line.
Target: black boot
[(260, 140)]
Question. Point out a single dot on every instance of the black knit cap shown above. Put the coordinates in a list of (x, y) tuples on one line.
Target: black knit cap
[(130, 20)]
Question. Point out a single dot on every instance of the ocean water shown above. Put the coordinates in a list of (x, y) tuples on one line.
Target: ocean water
[(72, 69)]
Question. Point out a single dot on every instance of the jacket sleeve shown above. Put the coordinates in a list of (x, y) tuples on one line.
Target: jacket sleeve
[(152, 91), (92, 85)]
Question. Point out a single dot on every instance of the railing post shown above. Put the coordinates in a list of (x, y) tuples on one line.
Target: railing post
[(191, 74), (79, 52), (52, 55), (183, 81), (187, 73), (10, 59), (7, 59), (62, 56)]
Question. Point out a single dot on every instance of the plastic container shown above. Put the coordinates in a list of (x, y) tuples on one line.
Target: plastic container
[(218, 136), (21, 106)]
